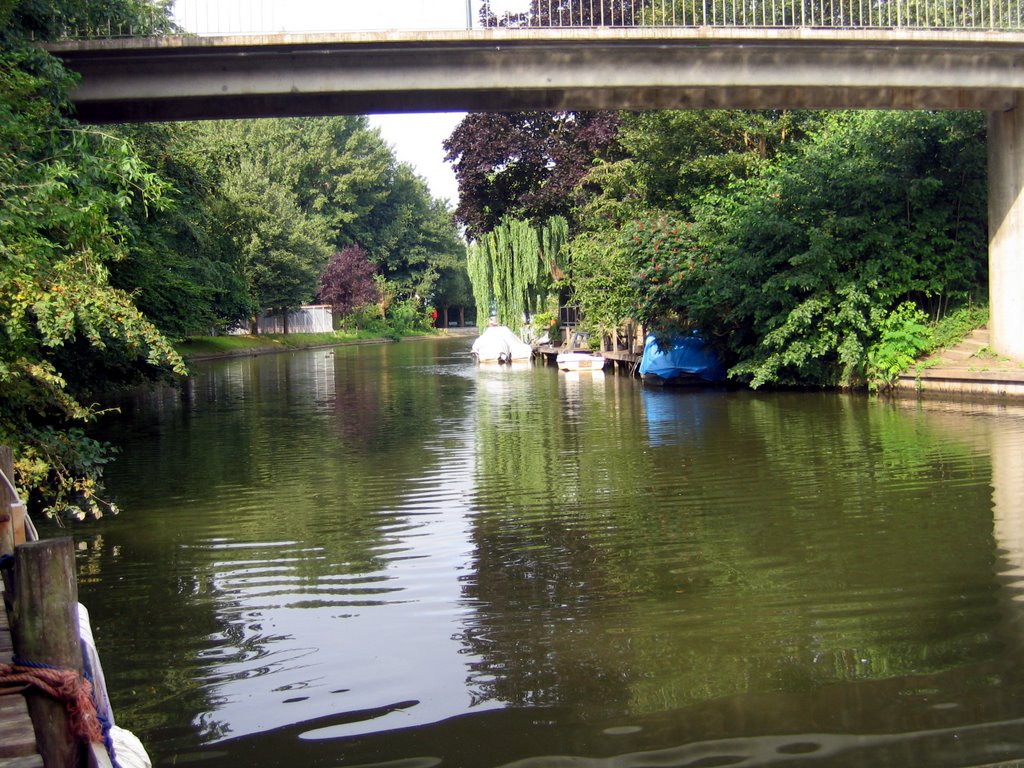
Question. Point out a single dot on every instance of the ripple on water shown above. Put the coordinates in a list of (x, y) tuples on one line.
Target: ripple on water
[(398, 528)]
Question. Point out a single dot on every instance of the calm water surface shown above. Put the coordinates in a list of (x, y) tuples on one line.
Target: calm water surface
[(387, 556)]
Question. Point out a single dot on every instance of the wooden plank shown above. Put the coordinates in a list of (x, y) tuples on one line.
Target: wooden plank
[(17, 735), (29, 761)]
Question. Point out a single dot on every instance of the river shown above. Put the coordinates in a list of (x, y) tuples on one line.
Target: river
[(384, 555)]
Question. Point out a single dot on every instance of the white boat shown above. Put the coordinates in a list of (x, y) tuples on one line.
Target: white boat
[(498, 344), (579, 361)]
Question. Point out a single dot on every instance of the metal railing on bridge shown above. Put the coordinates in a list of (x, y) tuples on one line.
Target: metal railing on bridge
[(840, 14), (234, 17)]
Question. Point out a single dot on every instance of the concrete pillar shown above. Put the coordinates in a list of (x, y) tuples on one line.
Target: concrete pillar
[(1006, 230)]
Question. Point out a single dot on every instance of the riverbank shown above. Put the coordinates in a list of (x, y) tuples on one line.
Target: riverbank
[(968, 368), (201, 348)]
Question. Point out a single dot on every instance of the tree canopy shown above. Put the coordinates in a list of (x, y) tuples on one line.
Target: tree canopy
[(347, 282), (116, 239), (792, 261), (65, 193), (794, 240), (524, 165)]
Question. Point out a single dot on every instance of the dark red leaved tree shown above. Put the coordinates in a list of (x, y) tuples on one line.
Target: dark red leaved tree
[(347, 282), (524, 164)]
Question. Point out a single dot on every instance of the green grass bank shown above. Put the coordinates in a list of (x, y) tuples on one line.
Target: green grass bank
[(209, 347)]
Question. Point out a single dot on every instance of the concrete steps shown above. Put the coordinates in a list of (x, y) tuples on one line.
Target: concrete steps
[(968, 368)]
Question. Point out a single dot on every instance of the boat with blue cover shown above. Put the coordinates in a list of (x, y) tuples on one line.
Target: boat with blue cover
[(688, 360)]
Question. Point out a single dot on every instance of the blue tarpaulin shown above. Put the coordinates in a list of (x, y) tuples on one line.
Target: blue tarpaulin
[(688, 355)]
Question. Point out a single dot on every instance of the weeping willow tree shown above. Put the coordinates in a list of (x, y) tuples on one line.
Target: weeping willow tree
[(553, 236), (478, 266), (512, 265)]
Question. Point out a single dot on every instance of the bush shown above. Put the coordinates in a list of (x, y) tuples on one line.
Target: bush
[(794, 273), (903, 336), (547, 323)]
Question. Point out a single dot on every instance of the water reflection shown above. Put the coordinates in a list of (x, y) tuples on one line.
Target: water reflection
[(387, 555), (1007, 450), (775, 560)]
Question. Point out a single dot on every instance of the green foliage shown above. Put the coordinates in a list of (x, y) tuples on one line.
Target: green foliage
[(505, 267), (283, 250), (478, 267), (673, 159), (34, 20), (602, 277), (184, 269), (546, 323), (792, 271), (408, 316), (953, 327), (324, 184), (366, 319), (64, 196), (668, 258), (902, 337), (675, 156), (553, 236)]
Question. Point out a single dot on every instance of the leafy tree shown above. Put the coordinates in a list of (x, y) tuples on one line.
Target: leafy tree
[(33, 20), (670, 161), (284, 251), (524, 165), (602, 276), (452, 290), (64, 191), (571, 13), (507, 267), (793, 270), (345, 183), (415, 235), (347, 283), (183, 268)]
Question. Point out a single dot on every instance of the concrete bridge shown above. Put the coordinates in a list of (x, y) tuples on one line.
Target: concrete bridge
[(637, 68)]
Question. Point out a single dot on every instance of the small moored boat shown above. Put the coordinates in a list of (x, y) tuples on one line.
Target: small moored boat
[(687, 361), (579, 360), (498, 344)]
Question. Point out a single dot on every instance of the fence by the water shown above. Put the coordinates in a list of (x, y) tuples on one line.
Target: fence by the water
[(314, 318)]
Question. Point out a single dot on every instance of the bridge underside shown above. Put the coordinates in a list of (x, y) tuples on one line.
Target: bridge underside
[(195, 78), (189, 78)]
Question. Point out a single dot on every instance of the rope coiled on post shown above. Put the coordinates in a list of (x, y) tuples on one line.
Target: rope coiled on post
[(64, 685)]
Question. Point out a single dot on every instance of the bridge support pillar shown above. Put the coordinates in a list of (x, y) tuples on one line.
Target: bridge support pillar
[(1006, 230)]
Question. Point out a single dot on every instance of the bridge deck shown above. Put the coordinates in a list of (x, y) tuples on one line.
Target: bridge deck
[(186, 77)]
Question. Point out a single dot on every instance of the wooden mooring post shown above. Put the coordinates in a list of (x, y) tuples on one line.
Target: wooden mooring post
[(12, 510), (40, 624), (45, 625)]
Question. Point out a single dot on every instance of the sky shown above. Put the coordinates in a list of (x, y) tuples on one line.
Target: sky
[(415, 139)]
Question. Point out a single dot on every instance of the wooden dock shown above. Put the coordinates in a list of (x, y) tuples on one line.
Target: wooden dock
[(17, 738), (620, 360)]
